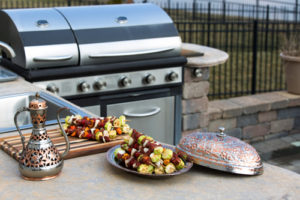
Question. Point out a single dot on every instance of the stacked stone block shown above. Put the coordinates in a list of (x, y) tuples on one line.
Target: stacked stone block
[(195, 101), (256, 117), (250, 118)]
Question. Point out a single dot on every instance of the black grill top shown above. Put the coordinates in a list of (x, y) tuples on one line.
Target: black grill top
[(33, 75)]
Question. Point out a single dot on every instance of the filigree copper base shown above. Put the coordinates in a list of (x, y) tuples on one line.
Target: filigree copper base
[(40, 179)]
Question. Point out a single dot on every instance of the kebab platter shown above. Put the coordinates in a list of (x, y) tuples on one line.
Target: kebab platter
[(138, 152), (141, 153)]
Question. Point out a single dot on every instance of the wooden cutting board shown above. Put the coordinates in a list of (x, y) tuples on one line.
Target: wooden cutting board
[(78, 147)]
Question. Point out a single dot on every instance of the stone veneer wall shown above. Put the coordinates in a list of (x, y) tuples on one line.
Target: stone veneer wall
[(250, 118), (194, 100)]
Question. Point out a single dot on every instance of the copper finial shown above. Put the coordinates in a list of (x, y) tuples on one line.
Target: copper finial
[(221, 133), (37, 103), (37, 95)]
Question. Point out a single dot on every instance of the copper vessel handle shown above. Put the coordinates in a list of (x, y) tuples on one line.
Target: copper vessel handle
[(64, 133), (18, 128)]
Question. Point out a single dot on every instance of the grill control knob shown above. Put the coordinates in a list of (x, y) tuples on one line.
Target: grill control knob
[(125, 81), (52, 88), (149, 79), (84, 86), (98, 85), (172, 76)]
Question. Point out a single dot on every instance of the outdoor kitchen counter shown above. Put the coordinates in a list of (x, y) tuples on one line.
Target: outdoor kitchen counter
[(211, 56), (92, 177), (17, 86)]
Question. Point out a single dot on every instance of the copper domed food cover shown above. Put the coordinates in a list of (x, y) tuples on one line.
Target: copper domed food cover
[(221, 152)]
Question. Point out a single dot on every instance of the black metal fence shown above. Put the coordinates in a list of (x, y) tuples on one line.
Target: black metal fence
[(251, 34)]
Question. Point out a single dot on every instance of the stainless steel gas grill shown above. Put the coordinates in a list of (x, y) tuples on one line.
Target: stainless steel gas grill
[(112, 60)]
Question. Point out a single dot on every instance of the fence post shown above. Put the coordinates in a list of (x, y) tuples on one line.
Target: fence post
[(208, 23), (254, 56), (224, 10), (296, 11), (257, 8), (266, 29), (194, 10)]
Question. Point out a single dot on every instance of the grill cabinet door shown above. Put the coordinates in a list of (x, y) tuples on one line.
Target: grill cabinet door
[(153, 117)]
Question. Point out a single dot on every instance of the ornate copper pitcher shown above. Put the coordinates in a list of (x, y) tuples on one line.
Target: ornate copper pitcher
[(40, 160)]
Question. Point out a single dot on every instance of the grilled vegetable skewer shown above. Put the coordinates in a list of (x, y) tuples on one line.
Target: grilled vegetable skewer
[(103, 129), (147, 156)]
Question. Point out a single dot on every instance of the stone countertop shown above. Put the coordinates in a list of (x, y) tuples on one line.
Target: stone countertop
[(211, 57), (92, 177), (17, 86)]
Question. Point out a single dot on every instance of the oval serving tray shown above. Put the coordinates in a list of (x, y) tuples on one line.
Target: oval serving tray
[(111, 159)]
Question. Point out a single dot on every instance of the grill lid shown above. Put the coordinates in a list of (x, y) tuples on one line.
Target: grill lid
[(127, 32), (87, 35), (40, 37), (221, 152)]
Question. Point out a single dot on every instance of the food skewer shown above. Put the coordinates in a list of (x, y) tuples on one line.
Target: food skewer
[(102, 129), (144, 154)]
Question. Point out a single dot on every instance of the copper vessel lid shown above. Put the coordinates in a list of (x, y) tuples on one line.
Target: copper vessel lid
[(37, 103), (221, 152)]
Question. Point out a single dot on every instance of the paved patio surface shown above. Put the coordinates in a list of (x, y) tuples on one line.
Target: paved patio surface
[(283, 152)]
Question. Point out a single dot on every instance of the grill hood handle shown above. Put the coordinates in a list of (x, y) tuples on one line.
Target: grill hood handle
[(52, 58), (131, 53), (7, 49)]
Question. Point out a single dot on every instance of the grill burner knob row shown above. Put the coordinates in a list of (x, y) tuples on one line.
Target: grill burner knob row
[(125, 81), (52, 88), (149, 79), (98, 85), (172, 76), (84, 86)]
